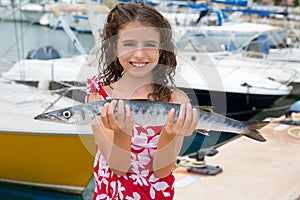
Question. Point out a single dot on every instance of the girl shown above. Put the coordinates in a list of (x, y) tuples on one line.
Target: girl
[(137, 61)]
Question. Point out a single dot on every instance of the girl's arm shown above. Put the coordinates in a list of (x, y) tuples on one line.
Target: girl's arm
[(112, 141), (172, 135)]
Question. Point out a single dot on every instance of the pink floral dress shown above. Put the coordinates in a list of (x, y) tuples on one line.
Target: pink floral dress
[(140, 182)]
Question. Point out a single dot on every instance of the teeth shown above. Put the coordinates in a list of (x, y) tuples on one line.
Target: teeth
[(139, 64)]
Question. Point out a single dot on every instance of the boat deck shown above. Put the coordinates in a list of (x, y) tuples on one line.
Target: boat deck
[(251, 170)]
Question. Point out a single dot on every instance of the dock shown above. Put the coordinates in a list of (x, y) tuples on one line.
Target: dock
[(250, 170)]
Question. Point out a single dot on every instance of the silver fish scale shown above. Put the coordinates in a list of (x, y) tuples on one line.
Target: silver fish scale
[(225, 124), (149, 113)]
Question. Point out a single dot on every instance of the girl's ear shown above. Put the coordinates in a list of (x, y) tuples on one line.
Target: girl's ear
[(115, 49), (161, 46)]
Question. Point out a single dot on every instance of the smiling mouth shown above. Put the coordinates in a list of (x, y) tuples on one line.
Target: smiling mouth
[(138, 64)]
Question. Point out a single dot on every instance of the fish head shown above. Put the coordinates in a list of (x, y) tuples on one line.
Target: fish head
[(69, 115)]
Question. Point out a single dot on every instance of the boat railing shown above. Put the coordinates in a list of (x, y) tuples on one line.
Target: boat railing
[(253, 54), (291, 73), (63, 93), (91, 9), (70, 34), (16, 8)]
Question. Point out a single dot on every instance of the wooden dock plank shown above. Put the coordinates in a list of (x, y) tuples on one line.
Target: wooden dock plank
[(251, 170)]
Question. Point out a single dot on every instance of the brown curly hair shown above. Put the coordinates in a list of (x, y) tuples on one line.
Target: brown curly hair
[(110, 69)]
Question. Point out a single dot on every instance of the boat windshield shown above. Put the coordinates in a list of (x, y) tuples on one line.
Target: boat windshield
[(198, 43)]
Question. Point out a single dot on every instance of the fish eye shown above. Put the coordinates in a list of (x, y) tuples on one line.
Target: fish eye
[(67, 114)]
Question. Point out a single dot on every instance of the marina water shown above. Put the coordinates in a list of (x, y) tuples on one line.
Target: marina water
[(17, 39)]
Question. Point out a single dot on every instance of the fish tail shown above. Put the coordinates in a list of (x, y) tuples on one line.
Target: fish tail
[(253, 133)]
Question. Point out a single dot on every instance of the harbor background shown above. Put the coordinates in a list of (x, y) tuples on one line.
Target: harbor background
[(18, 38)]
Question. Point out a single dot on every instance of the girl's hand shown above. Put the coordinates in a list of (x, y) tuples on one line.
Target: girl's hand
[(123, 123), (185, 124)]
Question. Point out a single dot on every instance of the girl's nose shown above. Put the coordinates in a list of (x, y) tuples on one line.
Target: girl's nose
[(139, 52)]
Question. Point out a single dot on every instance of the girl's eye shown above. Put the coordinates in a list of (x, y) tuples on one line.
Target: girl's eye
[(129, 44), (150, 45)]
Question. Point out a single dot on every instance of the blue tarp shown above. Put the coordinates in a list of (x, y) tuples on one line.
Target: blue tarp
[(151, 3), (232, 2), (199, 6), (43, 53), (259, 44), (264, 13)]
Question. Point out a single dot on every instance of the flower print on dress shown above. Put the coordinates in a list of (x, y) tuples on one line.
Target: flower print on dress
[(139, 130), (158, 186), (103, 196), (135, 196), (95, 85), (153, 142), (121, 189), (138, 163), (144, 147), (140, 178)]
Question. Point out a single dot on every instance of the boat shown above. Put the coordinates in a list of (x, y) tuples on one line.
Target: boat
[(280, 62), (218, 24), (23, 11), (44, 68), (287, 50), (212, 77), (58, 69), (77, 16), (42, 155), (240, 33), (34, 12)]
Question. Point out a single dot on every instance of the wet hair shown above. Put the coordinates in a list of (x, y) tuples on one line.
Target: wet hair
[(110, 69)]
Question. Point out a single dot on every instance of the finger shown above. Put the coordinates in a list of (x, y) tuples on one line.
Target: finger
[(188, 117), (195, 119), (128, 123), (170, 122), (181, 117), (193, 124), (103, 114), (110, 113), (120, 111), (171, 116), (128, 114)]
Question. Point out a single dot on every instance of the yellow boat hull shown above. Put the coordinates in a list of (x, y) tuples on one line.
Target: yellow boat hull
[(54, 161)]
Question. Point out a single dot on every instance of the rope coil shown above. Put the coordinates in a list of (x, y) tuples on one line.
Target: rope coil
[(294, 132), (186, 161)]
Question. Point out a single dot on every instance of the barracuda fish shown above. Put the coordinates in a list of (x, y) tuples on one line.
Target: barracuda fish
[(150, 113)]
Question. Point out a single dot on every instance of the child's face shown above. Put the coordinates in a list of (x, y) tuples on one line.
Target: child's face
[(138, 48)]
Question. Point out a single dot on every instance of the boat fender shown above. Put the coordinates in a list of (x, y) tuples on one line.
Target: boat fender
[(43, 84)]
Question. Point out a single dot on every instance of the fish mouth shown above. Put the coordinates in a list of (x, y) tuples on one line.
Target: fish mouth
[(39, 117), (48, 117)]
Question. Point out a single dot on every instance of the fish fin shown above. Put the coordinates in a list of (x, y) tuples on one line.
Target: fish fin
[(257, 125), (202, 131), (207, 108), (253, 133)]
